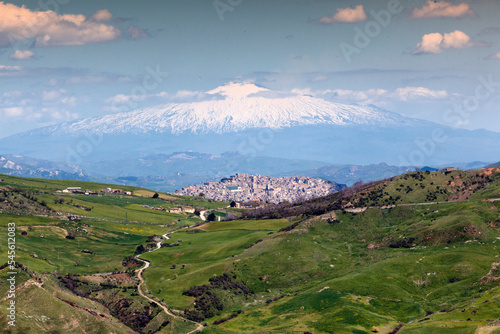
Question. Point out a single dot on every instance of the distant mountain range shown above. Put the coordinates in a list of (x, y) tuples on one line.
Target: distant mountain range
[(494, 165), (254, 121), (267, 132), (180, 169), (28, 167)]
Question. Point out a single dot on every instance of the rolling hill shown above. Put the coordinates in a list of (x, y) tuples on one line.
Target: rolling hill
[(494, 165), (416, 253)]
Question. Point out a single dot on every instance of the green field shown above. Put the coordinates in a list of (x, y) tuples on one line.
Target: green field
[(430, 268), (205, 253)]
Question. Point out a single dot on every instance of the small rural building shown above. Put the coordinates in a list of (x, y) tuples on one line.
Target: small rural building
[(73, 190), (189, 210)]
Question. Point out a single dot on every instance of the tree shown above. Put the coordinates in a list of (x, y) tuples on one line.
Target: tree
[(156, 195), (211, 217), (232, 204), (140, 249), (59, 200), (201, 194)]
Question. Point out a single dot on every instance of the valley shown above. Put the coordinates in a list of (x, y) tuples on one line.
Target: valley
[(416, 253), (249, 167)]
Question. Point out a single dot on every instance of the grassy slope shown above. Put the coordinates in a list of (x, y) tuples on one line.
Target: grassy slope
[(494, 165), (343, 277), (203, 255), (340, 277), (367, 287), (39, 311), (103, 231)]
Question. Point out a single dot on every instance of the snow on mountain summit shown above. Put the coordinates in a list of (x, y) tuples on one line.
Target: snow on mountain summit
[(240, 106)]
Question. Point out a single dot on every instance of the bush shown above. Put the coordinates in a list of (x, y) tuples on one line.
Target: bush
[(140, 249), (207, 304)]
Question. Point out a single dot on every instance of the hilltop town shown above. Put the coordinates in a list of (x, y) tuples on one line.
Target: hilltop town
[(247, 188)]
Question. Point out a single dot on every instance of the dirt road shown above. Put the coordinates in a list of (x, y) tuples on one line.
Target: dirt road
[(199, 326)]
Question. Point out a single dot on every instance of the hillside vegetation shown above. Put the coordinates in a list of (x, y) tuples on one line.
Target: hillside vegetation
[(416, 253), (75, 255), (494, 165)]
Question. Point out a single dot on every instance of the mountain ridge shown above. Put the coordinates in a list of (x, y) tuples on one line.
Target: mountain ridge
[(257, 122), (232, 108)]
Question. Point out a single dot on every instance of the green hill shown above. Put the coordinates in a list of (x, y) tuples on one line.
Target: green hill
[(413, 254), (426, 264), (63, 241), (494, 165)]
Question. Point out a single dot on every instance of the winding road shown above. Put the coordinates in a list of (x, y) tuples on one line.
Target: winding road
[(199, 327)]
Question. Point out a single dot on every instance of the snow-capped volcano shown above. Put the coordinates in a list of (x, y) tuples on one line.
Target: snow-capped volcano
[(255, 121), (231, 108)]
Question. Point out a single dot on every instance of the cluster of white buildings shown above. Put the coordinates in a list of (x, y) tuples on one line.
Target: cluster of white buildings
[(247, 188)]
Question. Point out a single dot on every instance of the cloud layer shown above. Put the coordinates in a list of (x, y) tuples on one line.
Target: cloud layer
[(122, 102), (348, 15), (44, 107), (47, 28), (403, 94), (442, 9)]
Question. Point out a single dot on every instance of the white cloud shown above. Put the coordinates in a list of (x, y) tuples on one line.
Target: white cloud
[(6, 71), (51, 95), (48, 28), (13, 112), (377, 96), (418, 93), (12, 94), (6, 68), (136, 33), (102, 15), (44, 107), (22, 55), (348, 15), (494, 56), (441, 9), (437, 43), (122, 102)]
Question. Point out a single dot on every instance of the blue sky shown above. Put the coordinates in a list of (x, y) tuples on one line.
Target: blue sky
[(62, 60)]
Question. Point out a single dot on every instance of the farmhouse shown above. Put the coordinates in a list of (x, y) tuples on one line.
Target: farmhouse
[(72, 190)]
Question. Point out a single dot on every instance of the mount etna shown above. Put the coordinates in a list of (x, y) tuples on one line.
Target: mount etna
[(247, 124)]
